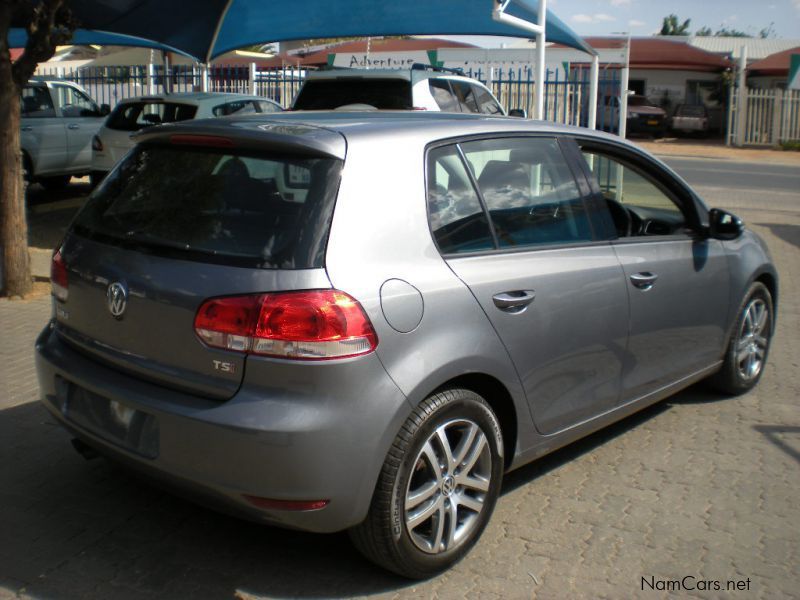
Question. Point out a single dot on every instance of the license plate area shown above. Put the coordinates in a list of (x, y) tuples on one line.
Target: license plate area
[(652, 122), (111, 420)]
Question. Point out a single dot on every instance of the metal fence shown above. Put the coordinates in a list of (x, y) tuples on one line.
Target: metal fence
[(566, 98), (764, 117)]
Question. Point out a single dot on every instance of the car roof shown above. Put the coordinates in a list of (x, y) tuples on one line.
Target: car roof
[(405, 74), (196, 98), (325, 131)]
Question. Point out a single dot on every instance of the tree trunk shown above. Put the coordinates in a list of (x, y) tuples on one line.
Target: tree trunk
[(13, 225)]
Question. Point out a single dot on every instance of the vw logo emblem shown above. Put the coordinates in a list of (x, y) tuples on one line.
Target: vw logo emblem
[(117, 298)]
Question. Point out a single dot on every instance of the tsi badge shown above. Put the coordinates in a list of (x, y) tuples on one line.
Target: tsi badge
[(225, 367), (117, 299)]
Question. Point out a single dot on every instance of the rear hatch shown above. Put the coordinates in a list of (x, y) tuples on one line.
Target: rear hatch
[(189, 216)]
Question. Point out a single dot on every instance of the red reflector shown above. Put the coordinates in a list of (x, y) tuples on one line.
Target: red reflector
[(58, 276), (270, 504), (190, 139), (308, 325)]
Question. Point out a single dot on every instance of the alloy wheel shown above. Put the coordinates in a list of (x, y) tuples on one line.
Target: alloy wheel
[(751, 347)]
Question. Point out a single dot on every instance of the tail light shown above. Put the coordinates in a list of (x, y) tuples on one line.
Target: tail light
[(58, 276), (308, 325), (97, 144)]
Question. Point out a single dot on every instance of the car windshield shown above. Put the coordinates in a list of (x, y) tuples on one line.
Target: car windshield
[(327, 94), (133, 116), (216, 206), (639, 101), (689, 110)]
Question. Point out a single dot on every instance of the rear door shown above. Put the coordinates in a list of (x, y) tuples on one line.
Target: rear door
[(173, 226), (677, 278), (42, 133), (510, 218)]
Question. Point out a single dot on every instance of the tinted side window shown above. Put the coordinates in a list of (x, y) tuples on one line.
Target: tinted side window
[(457, 219), (486, 104), (133, 116), (240, 107), (637, 205), (466, 97), (443, 95), (529, 191), (36, 102)]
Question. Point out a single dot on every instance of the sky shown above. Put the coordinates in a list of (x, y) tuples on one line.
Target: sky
[(643, 17)]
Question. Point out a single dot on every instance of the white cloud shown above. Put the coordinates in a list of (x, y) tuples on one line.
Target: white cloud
[(597, 18), (796, 4), (620, 2), (636, 23)]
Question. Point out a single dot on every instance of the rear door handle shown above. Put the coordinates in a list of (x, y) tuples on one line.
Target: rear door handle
[(73, 126), (515, 301), (644, 280)]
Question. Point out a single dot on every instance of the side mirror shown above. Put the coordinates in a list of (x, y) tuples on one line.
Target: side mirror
[(723, 225), (104, 110), (518, 112)]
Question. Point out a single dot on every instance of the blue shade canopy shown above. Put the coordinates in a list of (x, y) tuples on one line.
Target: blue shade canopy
[(204, 29)]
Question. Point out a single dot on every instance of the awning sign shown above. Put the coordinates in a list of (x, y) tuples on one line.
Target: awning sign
[(794, 72)]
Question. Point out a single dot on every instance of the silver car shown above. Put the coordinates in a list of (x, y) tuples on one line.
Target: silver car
[(58, 120), (363, 320)]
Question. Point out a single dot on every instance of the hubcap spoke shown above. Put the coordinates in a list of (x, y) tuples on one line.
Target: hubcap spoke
[(751, 347), (448, 486)]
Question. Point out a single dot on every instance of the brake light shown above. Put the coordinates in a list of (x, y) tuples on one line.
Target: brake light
[(191, 139), (58, 276), (97, 144), (308, 325)]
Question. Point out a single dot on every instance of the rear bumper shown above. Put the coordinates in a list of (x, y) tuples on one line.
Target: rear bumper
[(321, 433)]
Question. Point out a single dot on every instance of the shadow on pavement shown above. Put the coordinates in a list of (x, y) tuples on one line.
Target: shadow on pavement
[(72, 528), (49, 212), (788, 233), (774, 433)]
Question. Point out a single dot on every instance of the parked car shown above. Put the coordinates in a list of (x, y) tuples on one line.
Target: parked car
[(58, 120), (690, 118), (360, 321), (132, 114), (419, 88), (643, 116)]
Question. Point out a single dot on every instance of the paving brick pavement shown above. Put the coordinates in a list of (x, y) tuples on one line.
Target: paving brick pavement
[(698, 485)]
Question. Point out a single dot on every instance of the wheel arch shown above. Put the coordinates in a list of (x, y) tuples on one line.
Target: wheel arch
[(499, 400)]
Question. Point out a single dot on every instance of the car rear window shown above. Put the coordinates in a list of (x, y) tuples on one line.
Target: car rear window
[(216, 206), (133, 116), (691, 111), (327, 94)]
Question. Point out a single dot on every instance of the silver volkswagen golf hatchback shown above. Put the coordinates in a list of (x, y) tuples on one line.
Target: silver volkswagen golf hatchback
[(331, 321)]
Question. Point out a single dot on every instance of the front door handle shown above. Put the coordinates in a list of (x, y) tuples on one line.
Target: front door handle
[(644, 280), (515, 301), (73, 126)]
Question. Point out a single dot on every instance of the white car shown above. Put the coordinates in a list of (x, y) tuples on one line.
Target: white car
[(58, 120), (113, 140), (420, 88)]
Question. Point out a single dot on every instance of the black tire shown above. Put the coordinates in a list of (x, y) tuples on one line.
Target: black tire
[(384, 537), (95, 177), (56, 182), (748, 339)]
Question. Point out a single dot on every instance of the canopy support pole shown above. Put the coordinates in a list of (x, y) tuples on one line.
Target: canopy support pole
[(499, 15), (593, 84), (623, 91)]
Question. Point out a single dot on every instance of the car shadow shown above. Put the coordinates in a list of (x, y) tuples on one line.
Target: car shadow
[(788, 233), (49, 212), (96, 530), (774, 434)]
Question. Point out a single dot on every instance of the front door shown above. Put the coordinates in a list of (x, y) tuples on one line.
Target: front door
[(677, 279), (82, 119)]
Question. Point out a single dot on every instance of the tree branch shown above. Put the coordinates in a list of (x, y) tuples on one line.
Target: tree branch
[(51, 24)]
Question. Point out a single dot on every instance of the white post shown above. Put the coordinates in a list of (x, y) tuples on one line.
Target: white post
[(167, 79), (623, 96), (151, 79), (252, 79), (741, 99), (204, 77), (593, 84), (540, 69)]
